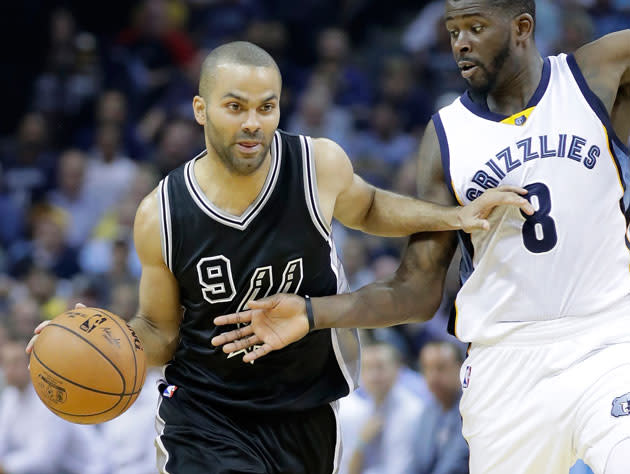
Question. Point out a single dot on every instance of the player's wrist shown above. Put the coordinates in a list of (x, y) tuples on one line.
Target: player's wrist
[(456, 218), (309, 313)]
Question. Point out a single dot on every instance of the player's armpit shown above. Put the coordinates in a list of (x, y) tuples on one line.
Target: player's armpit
[(159, 314)]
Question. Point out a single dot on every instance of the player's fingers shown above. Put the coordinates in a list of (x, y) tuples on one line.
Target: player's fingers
[(231, 336), (478, 224), (79, 305), (513, 189), (263, 303), (509, 199), (242, 344), (257, 353), (235, 318), (29, 346), (41, 326)]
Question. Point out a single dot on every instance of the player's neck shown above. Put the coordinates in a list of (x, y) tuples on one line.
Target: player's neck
[(515, 91), (229, 191)]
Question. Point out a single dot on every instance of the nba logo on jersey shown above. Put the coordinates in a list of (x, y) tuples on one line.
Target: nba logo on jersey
[(169, 391), (467, 377), (520, 120)]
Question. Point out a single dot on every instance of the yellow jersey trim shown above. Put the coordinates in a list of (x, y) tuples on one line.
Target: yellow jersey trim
[(519, 118)]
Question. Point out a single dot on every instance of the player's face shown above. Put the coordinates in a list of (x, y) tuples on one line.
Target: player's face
[(480, 40), (242, 114)]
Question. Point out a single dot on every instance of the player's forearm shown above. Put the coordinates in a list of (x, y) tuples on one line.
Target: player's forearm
[(394, 215), (412, 294), (158, 347)]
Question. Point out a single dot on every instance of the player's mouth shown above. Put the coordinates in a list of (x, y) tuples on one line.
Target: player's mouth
[(467, 68), (249, 147)]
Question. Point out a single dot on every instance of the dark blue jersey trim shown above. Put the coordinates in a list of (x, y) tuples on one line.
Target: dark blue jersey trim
[(445, 154), (482, 110)]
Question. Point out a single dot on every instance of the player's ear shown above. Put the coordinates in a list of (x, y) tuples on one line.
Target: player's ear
[(199, 108), (524, 27)]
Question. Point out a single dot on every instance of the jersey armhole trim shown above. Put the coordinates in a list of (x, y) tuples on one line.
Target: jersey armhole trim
[(595, 102), (445, 155), (310, 188), (166, 234)]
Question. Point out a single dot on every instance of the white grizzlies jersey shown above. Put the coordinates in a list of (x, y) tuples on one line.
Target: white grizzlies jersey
[(570, 258)]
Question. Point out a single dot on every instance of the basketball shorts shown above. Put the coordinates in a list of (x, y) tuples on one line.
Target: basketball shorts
[(556, 392), (219, 441)]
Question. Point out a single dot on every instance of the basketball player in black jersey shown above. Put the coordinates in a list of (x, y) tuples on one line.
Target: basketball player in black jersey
[(249, 217)]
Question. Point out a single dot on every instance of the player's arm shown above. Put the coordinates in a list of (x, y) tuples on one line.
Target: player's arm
[(159, 313), (412, 294), (605, 64), (361, 206)]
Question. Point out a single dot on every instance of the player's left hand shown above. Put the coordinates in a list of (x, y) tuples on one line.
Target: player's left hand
[(271, 324), (474, 216)]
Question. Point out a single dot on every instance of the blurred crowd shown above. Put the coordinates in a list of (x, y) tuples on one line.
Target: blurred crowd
[(107, 112)]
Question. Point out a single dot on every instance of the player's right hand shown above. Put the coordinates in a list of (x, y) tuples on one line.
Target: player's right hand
[(272, 323), (40, 327)]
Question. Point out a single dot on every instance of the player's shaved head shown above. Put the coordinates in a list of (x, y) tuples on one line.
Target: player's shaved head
[(237, 52)]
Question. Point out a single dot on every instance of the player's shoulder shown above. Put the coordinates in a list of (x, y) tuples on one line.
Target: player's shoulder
[(146, 227)]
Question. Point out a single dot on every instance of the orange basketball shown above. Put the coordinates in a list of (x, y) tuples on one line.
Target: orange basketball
[(88, 365)]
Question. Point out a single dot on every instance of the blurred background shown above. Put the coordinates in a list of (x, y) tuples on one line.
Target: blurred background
[(96, 108)]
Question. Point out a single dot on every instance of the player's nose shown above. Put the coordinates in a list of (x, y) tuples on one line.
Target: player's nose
[(462, 44), (252, 121)]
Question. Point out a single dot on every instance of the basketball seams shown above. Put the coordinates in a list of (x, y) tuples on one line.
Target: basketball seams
[(124, 384), (133, 351), (95, 390)]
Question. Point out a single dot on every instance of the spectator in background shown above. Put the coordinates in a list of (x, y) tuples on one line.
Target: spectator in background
[(577, 29), (27, 162), (66, 90), (47, 248), (398, 87), (112, 109), (380, 150), (317, 116), (32, 438), (81, 203), (349, 85), (355, 264), (12, 219), (153, 47), (439, 445), (377, 432), (179, 142), (24, 315), (109, 173)]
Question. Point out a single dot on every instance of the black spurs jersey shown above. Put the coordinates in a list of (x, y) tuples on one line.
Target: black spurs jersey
[(281, 243)]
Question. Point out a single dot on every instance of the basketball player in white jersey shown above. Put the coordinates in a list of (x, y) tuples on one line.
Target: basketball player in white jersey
[(545, 301)]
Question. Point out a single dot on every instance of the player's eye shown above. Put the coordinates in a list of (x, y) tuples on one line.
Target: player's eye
[(453, 33), (234, 106), (477, 28), (267, 108)]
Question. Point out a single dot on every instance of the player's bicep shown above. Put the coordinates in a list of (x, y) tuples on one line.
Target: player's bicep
[(430, 173), (345, 195), (159, 303), (159, 299), (354, 202)]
